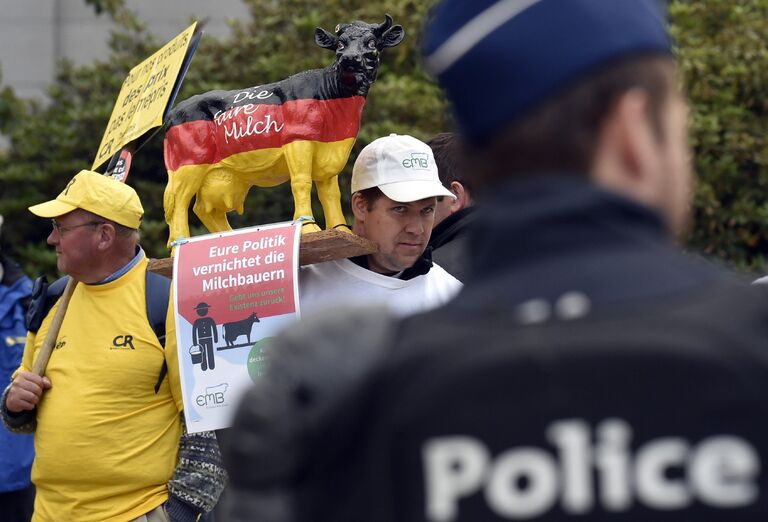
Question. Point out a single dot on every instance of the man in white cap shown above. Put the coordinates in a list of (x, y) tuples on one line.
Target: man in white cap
[(395, 186), (109, 438)]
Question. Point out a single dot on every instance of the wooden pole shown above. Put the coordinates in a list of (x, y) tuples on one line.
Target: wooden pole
[(53, 331), (126, 154)]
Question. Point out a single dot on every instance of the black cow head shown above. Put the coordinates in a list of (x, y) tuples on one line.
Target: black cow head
[(357, 47)]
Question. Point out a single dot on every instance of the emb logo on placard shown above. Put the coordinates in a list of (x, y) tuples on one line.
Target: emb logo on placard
[(213, 396)]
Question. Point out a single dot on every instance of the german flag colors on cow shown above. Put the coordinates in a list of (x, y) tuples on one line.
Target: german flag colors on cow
[(300, 129), (250, 127)]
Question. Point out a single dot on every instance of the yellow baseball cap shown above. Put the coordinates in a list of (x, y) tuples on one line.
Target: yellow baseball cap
[(95, 193)]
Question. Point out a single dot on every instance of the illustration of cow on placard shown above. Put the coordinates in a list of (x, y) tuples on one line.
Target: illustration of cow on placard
[(235, 329), (300, 129)]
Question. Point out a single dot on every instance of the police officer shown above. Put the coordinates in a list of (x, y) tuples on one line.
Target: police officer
[(589, 370)]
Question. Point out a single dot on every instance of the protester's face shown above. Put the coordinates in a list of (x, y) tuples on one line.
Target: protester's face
[(675, 158), (401, 230), (75, 237)]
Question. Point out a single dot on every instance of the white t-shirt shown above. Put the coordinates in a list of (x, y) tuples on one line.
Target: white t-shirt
[(343, 283)]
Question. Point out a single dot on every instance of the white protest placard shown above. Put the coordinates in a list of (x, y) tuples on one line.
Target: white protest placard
[(232, 293)]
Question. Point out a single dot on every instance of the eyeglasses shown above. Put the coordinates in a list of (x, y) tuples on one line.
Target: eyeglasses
[(64, 229)]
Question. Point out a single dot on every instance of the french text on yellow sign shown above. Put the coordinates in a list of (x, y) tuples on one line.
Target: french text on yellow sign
[(144, 96)]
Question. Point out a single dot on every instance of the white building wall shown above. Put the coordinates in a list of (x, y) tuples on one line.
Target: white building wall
[(27, 45), (35, 34)]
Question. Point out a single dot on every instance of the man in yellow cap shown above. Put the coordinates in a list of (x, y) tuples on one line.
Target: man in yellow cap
[(109, 438)]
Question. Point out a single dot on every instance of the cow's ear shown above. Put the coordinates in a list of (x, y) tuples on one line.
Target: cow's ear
[(393, 37), (325, 39)]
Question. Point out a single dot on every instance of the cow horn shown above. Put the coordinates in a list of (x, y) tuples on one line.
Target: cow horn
[(383, 28)]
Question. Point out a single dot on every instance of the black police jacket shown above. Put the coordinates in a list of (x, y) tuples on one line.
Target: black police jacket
[(448, 242), (587, 371)]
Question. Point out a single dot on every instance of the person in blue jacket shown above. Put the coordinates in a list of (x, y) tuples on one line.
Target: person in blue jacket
[(16, 451)]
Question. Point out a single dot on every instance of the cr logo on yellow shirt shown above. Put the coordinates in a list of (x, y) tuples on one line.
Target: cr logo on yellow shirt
[(122, 342)]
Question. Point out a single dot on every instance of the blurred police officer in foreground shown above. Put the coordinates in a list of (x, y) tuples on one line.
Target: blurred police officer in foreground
[(589, 370)]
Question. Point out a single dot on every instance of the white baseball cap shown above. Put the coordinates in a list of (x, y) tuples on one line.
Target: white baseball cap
[(401, 166)]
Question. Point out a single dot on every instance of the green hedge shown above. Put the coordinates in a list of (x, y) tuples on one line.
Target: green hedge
[(723, 51), (721, 45)]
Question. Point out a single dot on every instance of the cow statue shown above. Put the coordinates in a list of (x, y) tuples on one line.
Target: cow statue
[(220, 143)]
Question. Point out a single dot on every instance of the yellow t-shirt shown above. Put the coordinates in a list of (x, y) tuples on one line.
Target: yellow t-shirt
[(106, 445)]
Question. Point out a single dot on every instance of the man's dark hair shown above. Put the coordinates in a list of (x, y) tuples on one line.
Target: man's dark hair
[(370, 195), (561, 135), (449, 158)]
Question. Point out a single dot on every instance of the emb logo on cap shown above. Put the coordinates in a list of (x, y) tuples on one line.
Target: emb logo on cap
[(417, 161)]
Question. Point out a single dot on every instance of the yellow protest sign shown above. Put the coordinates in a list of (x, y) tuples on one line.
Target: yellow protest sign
[(144, 96)]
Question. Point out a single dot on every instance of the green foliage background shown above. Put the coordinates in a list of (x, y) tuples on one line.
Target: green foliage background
[(50, 144), (722, 46)]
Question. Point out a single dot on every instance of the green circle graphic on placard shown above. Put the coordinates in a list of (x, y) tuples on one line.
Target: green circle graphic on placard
[(256, 358)]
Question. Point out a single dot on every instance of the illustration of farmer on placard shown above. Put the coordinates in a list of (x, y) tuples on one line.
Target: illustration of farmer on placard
[(204, 334)]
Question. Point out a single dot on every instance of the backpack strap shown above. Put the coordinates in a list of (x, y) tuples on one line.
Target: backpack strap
[(158, 290), (157, 293), (43, 297)]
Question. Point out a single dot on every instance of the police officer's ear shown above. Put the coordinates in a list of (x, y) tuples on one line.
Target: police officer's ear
[(627, 150)]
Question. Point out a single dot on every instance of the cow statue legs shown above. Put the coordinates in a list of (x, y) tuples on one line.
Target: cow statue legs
[(298, 158), (182, 186), (330, 197), (221, 192)]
